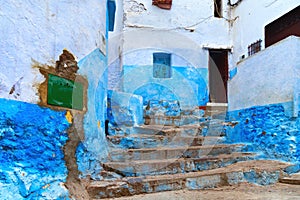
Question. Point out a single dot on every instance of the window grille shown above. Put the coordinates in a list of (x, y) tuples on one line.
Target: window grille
[(254, 47)]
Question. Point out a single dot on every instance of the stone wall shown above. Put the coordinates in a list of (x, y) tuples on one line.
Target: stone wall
[(267, 129), (32, 159)]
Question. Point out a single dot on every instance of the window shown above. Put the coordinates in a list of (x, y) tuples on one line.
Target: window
[(162, 65), (284, 26), (254, 47), (111, 8), (218, 8)]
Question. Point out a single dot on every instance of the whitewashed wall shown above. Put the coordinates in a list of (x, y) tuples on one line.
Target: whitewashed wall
[(251, 16), (38, 30), (268, 77), (185, 29)]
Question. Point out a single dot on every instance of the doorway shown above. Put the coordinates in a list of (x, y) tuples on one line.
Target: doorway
[(218, 75)]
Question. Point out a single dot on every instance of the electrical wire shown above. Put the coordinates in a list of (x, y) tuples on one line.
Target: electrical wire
[(234, 4)]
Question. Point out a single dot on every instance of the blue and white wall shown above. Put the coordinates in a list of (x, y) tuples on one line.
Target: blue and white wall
[(269, 76), (263, 91), (149, 29), (187, 84), (32, 138)]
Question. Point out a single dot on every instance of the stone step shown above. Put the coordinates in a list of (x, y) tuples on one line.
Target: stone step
[(260, 172), (214, 128), (173, 121), (216, 110), (136, 141), (293, 179), (162, 153), (173, 166)]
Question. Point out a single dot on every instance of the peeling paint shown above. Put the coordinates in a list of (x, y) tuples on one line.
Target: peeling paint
[(69, 117)]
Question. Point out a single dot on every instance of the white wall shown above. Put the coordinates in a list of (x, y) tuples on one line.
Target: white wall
[(39, 30), (251, 18), (185, 29), (268, 77)]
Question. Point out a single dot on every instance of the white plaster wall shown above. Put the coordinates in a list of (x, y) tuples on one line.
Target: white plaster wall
[(251, 18), (147, 54), (183, 14), (268, 77), (185, 29), (38, 30)]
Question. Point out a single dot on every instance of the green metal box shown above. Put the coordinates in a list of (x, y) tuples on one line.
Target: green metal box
[(64, 93)]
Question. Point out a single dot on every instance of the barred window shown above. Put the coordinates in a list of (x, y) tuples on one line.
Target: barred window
[(254, 47)]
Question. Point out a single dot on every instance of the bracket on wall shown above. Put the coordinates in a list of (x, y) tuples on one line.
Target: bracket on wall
[(164, 4)]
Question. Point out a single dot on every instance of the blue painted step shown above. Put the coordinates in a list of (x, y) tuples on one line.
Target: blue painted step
[(136, 141), (262, 172), (173, 166), (214, 128), (162, 153)]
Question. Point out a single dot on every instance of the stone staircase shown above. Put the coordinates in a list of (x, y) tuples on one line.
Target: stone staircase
[(189, 153)]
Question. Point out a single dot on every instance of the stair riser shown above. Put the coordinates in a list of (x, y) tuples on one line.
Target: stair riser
[(171, 154), (213, 130), (203, 182), (172, 121), (172, 168), (137, 143)]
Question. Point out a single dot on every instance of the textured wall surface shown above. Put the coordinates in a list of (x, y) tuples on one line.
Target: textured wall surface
[(34, 34), (147, 26), (268, 129), (125, 109), (94, 147), (267, 77), (32, 162), (35, 30), (187, 85)]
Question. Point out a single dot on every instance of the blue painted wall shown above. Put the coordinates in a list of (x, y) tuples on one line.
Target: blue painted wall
[(188, 85), (32, 162), (94, 147), (268, 129)]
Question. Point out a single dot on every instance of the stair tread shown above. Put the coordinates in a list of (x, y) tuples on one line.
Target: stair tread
[(292, 179), (172, 160), (165, 127), (261, 165), (160, 136), (245, 166), (178, 148)]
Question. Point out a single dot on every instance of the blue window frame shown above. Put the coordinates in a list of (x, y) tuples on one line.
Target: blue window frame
[(111, 7), (162, 65)]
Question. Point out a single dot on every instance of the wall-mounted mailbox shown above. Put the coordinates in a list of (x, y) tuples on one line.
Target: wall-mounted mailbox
[(64, 93), (164, 4)]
